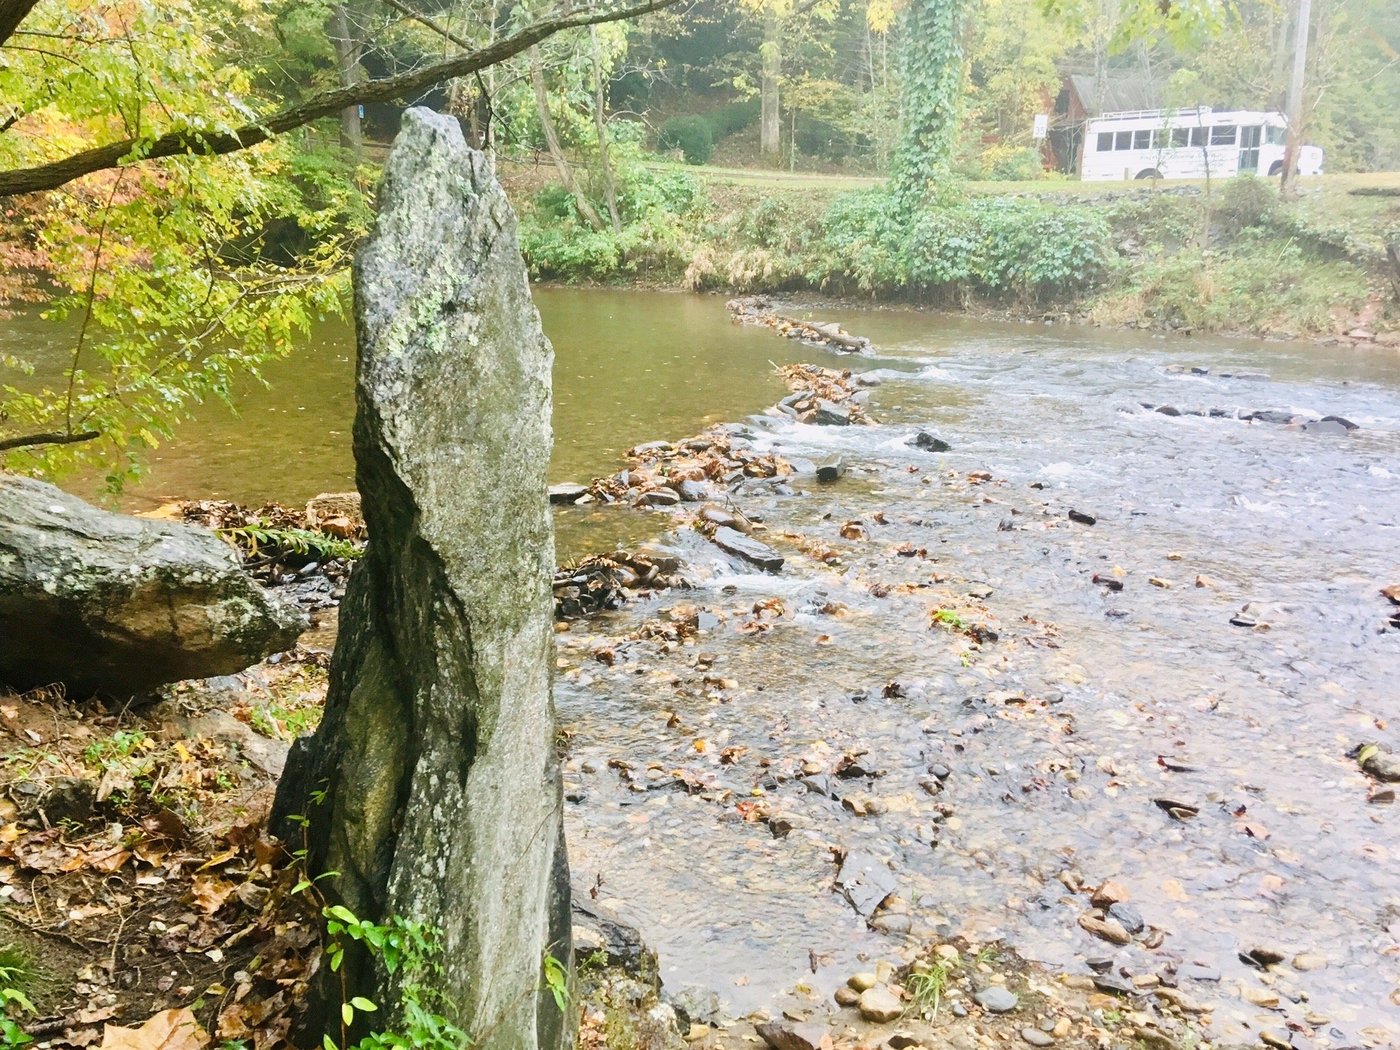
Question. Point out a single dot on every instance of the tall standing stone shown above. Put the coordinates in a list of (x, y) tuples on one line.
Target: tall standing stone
[(437, 754)]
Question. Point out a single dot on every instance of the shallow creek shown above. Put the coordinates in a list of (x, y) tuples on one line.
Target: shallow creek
[(1057, 737), (1091, 704)]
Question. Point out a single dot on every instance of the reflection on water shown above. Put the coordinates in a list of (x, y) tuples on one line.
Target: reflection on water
[(629, 367)]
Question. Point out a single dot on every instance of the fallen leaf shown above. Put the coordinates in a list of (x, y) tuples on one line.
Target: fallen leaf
[(167, 1030)]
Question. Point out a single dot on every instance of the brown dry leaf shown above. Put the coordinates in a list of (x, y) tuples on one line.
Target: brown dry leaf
[(222, 857), (1392, 592), (109, 862), (167, 1030), (210, 892)]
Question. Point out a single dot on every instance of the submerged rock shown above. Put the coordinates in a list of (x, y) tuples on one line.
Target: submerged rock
[(567, 492), (734, 542), (928, 443), (865, 881), (118, 605)]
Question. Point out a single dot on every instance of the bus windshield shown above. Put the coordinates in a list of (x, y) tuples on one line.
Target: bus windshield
[(1274, 136)]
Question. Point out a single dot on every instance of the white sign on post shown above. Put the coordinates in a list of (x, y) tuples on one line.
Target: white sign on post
[(1042, 126)]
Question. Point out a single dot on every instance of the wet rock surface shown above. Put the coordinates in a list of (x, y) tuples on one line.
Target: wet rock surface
[(935, 616), (118, 605)]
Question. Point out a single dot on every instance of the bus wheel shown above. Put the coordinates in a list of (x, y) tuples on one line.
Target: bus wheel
[(1149, 173), (1276, 168)]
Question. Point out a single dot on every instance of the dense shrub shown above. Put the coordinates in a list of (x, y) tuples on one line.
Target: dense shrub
[(691, 135), (1245, 202), (1011, 164), (735, 116), (820, 138), (990, 245)]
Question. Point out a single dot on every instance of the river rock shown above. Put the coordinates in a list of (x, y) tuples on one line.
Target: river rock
[(830, 414), (997, 999), (567, 492), (878, 1004), (597, 929), (1127, 916), (436, 757), (865, 880), (1328, 427), (831, 469), (1380, 763), (734, 542), (789, 1035), (928, 443), (692, 491), (336, 513), (728, 519), (661, 497), (1036, 1037), (1109, 929), (118, 605)]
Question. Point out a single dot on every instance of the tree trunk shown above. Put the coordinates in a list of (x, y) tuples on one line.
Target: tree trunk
[(1288, 188), (431, 787), (347, 64), (770, 122), (600, 125), (556, 151), (932, 92)]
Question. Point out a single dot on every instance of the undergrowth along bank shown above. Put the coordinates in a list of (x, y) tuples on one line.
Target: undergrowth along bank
[(1232, 259)]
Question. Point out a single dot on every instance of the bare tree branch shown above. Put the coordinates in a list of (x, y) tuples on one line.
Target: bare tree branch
[(437, 28), (12, 13), (30, 440), (207, 141)]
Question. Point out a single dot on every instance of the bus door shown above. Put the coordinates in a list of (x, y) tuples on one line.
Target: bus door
[(1250, 138)]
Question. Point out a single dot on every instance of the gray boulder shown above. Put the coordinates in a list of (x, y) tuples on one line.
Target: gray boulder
[(116, 605), (432, 785)]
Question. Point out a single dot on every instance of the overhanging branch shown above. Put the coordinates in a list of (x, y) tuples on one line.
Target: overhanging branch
[(31, 440), (206, 141)]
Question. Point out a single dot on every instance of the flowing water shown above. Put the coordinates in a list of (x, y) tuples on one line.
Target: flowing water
[(1057, 737), (1060, 735)]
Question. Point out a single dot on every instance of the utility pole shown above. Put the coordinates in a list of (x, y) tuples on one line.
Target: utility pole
[(1288, 189)]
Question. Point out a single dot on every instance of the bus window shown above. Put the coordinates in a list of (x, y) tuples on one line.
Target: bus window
[(1181, 137), (1142, 139), (1275, 136), (1124, 140), (1222, 135), (1198, 136), (1105, 141)]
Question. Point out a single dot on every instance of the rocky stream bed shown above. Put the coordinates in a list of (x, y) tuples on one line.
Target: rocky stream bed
[(1004, 692)]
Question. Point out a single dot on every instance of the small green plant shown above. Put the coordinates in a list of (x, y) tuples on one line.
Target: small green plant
[(556, 979), (927, 987), (949, 619), (16, 977), (988, 956), (112, 752), (255, 539), (405, 949)]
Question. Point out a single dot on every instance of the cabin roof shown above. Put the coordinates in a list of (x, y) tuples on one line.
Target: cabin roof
[(1121, 92)]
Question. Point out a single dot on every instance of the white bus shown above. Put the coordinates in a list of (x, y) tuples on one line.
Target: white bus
[(1189, 144)]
